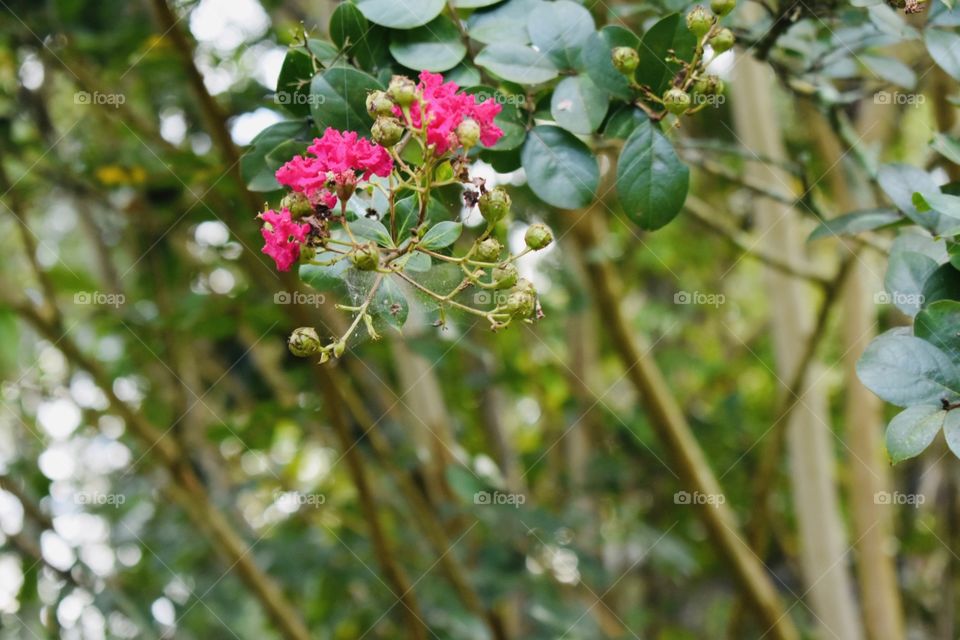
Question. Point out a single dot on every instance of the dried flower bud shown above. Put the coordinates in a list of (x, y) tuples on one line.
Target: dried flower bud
[(379, 104), (699, 21), (722, 41), (708, 86), (297, 203), (505, 276), (488, 250), (625, 59), (304, 342), (468, 133), (495, 205), (677, 101), (386, 131), (403, 90), (365, 257), (538, 236), (722, 7)]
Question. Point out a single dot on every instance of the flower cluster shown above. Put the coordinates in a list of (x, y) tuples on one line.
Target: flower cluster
[(443, 109), (283, 237), (331, 172)]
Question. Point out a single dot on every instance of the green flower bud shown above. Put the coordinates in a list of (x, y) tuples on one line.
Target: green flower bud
[(677, 101), (699, 21), (495, 205), (625, 59), (379, 104), (488, 250), (365, 257), (722, 41), (403, 90), (505, 276), (304, 342), (722, 7), (521, 300), (386, 131), (298, 204), (468, 133), (708, 86), (538, 236)]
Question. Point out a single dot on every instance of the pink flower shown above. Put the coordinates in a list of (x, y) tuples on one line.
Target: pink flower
[(444, 109), (337, 159), (283, 237)]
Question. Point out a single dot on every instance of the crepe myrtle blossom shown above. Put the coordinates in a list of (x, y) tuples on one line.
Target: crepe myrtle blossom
[(283, 237), (444, 110), (335, 164)]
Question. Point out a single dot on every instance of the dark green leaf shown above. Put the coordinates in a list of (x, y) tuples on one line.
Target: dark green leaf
[(623, 121), (595, 58), (900, 182), (559, 29), (912, 431), (371, 230), (578, 105), (400, 14), (441, 235), (560, 168), (324, 277), (347, 26), (435, 46), (293, 83), (506, 22), (905, 371), (652, 183), (389, 304), (939, 324), (516, 63), (339, 97), (668, 34), (943, 284)]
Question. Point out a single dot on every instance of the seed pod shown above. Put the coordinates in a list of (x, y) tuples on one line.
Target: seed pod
[(386, 131), (488, 250), (304, 342), (722, 41), (297, 204), (403, 90), (699, 21), (365, 257), (677, 101), (505, 276), (722, 7), (625, 59), (495, 205), (379, 104), (538, 236), (468, 133)]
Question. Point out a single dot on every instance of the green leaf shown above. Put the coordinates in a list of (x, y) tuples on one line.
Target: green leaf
[(951, 431), (504, 23), (253, 165), (510, 119), (595, 58), (905, 371), (415, 261), (441, 235), (889, 69), (652, 183), (293, 83), (389, 304), (954, 253), (947, 146), (351, 32), (854, 223), (435, 46), (324, 277), (912, 431), (578, 105), (623, 121), (943, 284), (907, 272), (668, 34), (283, 152), (944, 48), (939, 324), (516, 63), (942, 203), (371, 230), (560, 169), (900, 182), (464, 75), (325, 52), (339, 99), (473, 4), (400, 14), (559, 29)]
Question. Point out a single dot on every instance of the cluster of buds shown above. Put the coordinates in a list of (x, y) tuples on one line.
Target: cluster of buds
[(692, 89)]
